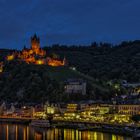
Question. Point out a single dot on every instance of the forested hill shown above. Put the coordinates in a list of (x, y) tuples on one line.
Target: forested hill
[(101, 61), (98, 64), (104, 61)]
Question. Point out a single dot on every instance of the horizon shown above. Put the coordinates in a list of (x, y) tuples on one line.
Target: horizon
[(69, 45)]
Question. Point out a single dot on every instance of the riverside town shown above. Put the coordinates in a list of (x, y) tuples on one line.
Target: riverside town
[(70, 70), (73, 108)]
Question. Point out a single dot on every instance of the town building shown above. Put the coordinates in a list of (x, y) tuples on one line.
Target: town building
[(50, 109), (126, 84), (127, 109), (72, 107), (9, 111), (75, 86), (38, 112), (71, 111), (27, 111), (99, 109)]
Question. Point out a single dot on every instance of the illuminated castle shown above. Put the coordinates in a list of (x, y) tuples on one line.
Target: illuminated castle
[(36, 55)]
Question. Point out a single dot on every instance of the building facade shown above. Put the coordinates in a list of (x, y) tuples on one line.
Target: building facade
[(75, 86), (129, 109)]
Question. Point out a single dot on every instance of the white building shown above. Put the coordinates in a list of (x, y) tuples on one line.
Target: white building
[(75, 86)]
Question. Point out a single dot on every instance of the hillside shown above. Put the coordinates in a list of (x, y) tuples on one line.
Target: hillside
[(98, 64), (38, 83), (103, 61)]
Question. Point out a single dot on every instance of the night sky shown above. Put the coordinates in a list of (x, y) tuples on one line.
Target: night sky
[(68, 21)]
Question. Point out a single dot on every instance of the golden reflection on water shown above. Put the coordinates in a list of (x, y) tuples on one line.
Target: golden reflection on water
[(7, 132), (23, 132), (16, 132), (114, 137)]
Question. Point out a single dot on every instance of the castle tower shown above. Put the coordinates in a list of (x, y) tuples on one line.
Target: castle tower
[(35, 43)]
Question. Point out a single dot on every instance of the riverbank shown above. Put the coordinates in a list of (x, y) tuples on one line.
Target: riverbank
[(83, 126), (123, 130), (25, 132), (15, 120), (117, 131)]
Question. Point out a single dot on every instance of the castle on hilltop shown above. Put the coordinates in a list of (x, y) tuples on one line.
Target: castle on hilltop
[(36, 55)]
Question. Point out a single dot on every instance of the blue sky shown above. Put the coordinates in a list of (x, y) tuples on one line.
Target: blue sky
[(68, 21)]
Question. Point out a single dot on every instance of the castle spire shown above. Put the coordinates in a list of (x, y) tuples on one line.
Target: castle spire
[(35, 43)]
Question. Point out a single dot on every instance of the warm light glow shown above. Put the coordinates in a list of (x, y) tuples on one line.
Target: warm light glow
[(7, 132), (31, 55), (24, 134), (40, 62), (54, 63), (50, 110), (38, 136), (39, 115), (1, 67), (10, 57)]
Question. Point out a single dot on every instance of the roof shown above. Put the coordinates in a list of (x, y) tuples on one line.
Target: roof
[(75, 81)]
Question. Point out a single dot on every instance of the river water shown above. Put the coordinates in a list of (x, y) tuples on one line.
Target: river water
[(25, 132)]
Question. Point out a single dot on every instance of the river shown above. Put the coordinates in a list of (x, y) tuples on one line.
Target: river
[(25, 132)]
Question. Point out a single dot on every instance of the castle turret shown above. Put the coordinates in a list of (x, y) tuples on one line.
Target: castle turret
[(35, 43)]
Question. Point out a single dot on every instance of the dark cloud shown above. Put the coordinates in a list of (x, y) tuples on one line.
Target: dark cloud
[(68, 21)]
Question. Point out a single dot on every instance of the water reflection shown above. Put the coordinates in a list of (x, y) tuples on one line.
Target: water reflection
[(23, 132)]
